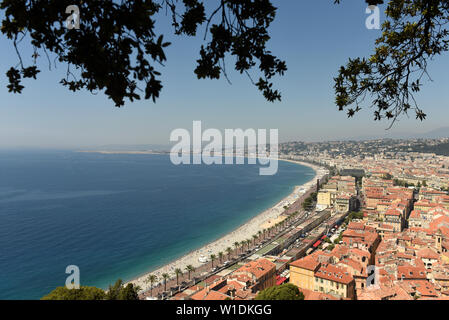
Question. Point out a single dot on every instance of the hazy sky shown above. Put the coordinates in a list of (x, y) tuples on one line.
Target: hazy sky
[(314, 37)]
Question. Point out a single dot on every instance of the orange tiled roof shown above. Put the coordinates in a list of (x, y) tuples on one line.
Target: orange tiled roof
[(309, 263), (334, 273), (257, 268), (411, 272), (427, 253)]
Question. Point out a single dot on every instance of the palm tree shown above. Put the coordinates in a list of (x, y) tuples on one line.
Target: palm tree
[(178, 272), (220, 256), (259, 234), (236, 245), (248, 243), (242, 244), (254, 239), (165, 276), (151, 279), (212, 258), (229, 251), (190, 269)]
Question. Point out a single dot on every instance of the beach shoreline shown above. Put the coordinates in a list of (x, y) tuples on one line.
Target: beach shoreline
[(239, 234)]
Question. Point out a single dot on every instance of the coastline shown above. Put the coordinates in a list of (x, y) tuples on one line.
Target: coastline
[(241, 233)]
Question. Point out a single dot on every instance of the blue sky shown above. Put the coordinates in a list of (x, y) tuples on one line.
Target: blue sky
[(314, 37)]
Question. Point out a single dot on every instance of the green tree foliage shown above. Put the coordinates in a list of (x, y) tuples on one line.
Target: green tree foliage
[(339, 238), (414, 32), (83, 293), (115, 292), (129, 292), (402, 183), (117, 48), (439, 148), (286, 291), (387, 176), (354, 215), (308, 202), (120, 292)]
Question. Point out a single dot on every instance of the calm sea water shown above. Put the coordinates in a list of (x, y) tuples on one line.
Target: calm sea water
[(118, 216)]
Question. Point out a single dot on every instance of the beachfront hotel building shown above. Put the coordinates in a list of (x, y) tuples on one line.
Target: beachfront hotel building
[(326, 198)]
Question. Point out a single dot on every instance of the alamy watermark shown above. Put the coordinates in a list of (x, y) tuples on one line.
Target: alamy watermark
[(73, 21), (373, 276), (73, 280), (373, 20), (235, 145)]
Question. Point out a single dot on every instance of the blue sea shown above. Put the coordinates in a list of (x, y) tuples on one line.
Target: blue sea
[(118, 216)]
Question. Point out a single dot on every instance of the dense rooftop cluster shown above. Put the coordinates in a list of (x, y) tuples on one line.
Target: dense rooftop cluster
[(399, 248)]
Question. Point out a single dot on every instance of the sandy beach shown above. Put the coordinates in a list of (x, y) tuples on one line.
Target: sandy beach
[(242, 233)]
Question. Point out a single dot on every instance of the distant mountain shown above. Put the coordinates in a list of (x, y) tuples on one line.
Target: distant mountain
[(130, 147), (435, 134)]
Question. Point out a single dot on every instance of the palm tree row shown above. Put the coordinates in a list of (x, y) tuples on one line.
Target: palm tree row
[(256, 237)]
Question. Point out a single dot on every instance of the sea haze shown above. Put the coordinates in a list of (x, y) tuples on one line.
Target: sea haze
[(118, 216)]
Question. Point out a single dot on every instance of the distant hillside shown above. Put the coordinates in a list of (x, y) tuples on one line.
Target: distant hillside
[(435, 134), (439, 149)]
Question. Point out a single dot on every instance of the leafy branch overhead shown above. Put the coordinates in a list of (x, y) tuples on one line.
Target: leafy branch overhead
[(415, 31), (118, 50)]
